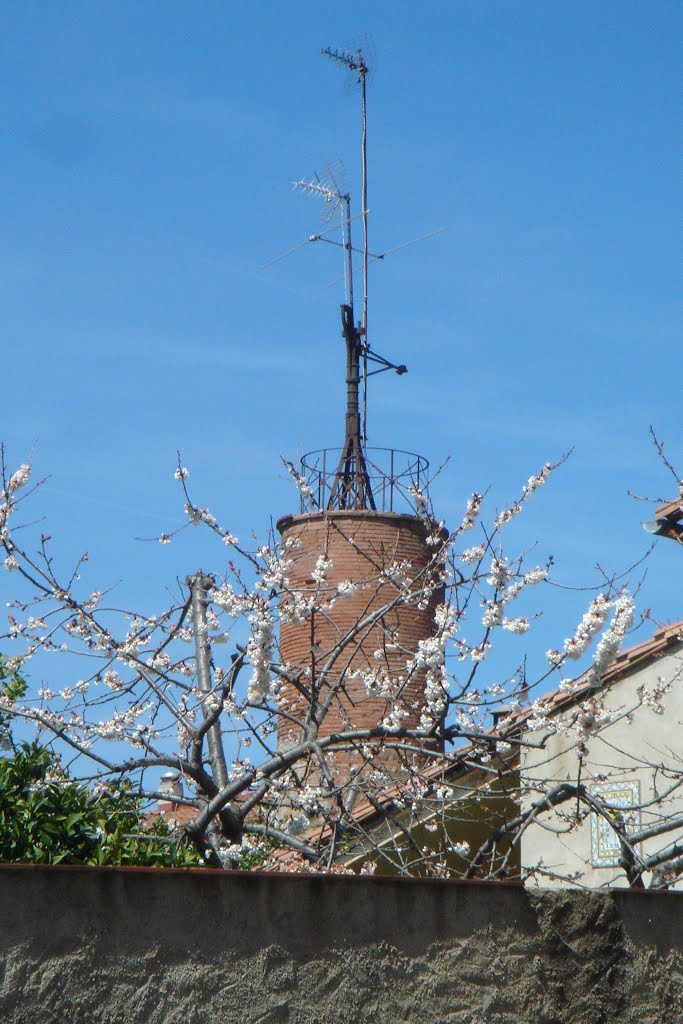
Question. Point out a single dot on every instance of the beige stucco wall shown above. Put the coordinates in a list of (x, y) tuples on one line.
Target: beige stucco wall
[(637, 745), (139, 946)]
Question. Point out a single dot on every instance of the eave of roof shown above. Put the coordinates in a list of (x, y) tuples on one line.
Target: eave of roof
[(628, 660), (672, 510)]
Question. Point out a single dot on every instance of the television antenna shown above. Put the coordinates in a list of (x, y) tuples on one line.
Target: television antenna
[(351, 487), (354, 61)]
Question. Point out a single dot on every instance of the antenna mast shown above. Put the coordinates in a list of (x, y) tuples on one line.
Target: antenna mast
[(351, 488), (363, 71), (355, 62)]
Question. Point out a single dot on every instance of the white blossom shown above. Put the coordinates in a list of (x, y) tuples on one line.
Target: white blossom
[(474, 554), (395, 719), (398, 573), (590, 624), (612, 638), (199, 515), (537, 720), (653, 697), (112, 680), (493, 615), (534, 482), (516, 625), (499, 573), (20, 478), (461, 849), (300, 482), (471, 512), (419, 500), (506, 515), (297, 825), (259, 652), (346, 588), (464, 720), (322, 567)]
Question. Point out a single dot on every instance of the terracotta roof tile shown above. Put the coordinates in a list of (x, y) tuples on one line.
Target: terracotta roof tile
[(175, 813)]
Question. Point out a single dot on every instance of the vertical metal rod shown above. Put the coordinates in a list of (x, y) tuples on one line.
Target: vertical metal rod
[(391, 481), (362, 68), (199, 585), (349, 250)]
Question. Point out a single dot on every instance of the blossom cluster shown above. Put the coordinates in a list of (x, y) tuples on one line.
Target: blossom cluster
[(592, 621), (260, 652), (611, 639)]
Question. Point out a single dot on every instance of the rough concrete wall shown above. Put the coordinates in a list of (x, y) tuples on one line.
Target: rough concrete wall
[(122, 946)]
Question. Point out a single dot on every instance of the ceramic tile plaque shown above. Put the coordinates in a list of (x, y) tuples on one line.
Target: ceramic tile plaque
[(605, 848)]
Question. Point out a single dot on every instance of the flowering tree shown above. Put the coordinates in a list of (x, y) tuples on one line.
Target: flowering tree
[(436, 785)]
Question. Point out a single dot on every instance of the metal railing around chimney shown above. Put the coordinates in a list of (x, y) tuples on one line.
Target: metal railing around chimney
[(399, 480)]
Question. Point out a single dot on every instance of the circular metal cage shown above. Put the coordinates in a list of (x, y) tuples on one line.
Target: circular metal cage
[(399, 480)]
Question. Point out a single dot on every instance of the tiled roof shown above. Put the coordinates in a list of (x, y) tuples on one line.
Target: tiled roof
[(175, 813)]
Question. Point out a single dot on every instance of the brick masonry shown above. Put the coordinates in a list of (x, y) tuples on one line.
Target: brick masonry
[(361, 545)]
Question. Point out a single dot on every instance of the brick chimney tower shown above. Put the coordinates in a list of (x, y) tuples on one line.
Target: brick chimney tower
[(364, 554)]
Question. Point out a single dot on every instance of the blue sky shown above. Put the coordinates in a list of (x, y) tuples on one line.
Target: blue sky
[(146, 158)]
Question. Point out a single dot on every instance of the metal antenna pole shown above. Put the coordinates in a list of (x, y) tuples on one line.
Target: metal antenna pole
[(199, 585), (349, 249), (351, 488), (362, 71)]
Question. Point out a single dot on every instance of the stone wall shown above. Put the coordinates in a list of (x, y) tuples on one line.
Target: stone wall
[(127, 946)]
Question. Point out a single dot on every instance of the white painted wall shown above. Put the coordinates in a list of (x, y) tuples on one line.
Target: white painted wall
[(636, 745)]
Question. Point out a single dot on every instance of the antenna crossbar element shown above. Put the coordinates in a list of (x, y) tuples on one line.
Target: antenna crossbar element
[(332, 197), (317, 237), (376, 257), (352, 60), (318, 189)]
